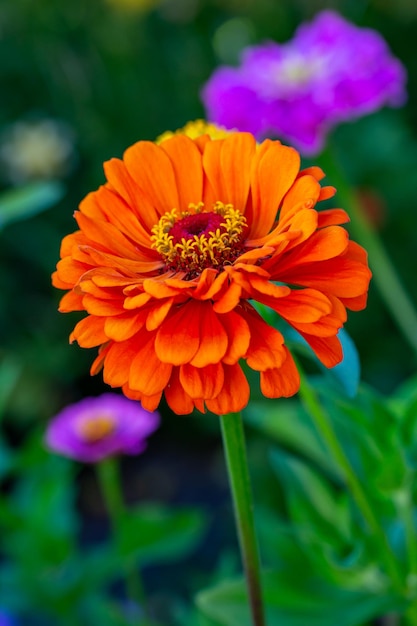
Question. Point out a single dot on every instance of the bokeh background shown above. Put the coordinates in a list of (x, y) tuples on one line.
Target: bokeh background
[(80, 82)]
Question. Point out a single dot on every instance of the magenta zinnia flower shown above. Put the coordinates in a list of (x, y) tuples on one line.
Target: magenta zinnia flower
[(96, 428), (331, 71)]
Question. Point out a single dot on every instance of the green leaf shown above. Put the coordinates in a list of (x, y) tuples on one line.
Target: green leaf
[(312, 500), (369, 433), (10, 370), (153, 533), (287, 423), (295, 599), (24, 202)]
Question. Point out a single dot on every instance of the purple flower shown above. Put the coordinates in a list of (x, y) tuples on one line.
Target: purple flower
[(331, 71), (95, 428)]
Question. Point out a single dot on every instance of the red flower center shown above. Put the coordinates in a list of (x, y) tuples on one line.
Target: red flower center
[(196, 226)]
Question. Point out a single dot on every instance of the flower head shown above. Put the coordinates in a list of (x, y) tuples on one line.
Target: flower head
[(196, 129), (37, 150), (171, 251), (331, 71), (95, 428)]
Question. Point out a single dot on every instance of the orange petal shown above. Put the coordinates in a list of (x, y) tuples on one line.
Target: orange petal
[(266, 343), (314, 171), (186, 162), (122, 213), (238, 335), (149, 403), (122, 327), (105, 259), (301, 305), (332, 217), (147, 372), (160, 289), (136, 302), (98, 362), (341, 276), (256, 253), (122, 182), (118, 360), (274, 171), (356, 304), (304, 193), (151, 169), (322, 245), (178, 337), (106, 235), (326, 193), (304, 224), (107, 277), (158, 313), (234, 395), (70, 242), (71, 302), (281, 381), (213, 337), (89, 332), (327, 325), (202, 382), (236, 157), (229, 299), (68, 273), (178, 400), (209, 284), (328, 350), (94, 306)]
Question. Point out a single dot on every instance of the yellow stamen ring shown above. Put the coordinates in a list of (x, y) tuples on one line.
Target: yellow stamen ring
[(196, 239)]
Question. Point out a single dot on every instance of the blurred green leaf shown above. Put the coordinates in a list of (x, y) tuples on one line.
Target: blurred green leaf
[(287, 423), (152, 532), (10, 370), (24, 202), (293, 598), (311, 499)]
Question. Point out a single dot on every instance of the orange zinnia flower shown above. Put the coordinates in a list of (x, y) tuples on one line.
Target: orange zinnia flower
[(173, 248)]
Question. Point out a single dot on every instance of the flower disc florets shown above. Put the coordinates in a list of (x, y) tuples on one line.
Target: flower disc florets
[(94, 430), (196, 239)]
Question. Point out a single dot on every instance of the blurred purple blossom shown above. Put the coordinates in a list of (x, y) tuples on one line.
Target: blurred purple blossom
[(331, 71), (96, 428)]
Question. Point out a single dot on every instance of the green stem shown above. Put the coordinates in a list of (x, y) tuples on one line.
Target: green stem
[(237, 466), (405, 507), (109, 477), (384, 274), (325, 429)]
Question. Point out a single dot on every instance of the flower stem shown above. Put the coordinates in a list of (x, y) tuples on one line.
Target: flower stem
[(405, 507), (237, 466), (109, 477), (385, 276), (325, 429)]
